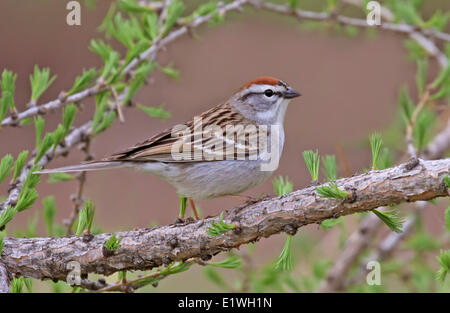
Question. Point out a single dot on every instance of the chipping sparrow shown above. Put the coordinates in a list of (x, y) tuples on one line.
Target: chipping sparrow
[(200, 158)]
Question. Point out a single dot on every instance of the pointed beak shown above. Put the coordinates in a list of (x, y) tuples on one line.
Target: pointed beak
[(291, 93)]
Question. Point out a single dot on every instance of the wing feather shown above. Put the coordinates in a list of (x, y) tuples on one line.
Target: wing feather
[(209, 143)]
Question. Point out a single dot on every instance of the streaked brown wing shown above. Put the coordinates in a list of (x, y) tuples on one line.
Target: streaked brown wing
[(156, 145), (159, 147)]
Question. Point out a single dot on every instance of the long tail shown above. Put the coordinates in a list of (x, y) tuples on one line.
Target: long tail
[(92, 166)]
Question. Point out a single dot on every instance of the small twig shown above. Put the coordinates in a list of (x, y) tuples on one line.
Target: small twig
[(439, 145), (406, 29), (78, 198), (412, 151), (72, 139), (414, 33), (163, 14), (117, 104), (51, 105), (150, 53), (248, 268), (156, 6), (132, 285)]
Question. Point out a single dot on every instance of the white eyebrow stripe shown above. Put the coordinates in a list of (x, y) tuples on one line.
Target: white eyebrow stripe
[(262, 88)]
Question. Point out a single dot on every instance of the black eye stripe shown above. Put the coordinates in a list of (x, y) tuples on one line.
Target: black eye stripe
[(276, 93)]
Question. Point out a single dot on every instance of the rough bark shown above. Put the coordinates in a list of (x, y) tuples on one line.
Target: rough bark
[(4, 279), (143, 249)]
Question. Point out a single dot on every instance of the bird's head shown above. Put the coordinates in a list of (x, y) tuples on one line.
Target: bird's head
[(264, 99)]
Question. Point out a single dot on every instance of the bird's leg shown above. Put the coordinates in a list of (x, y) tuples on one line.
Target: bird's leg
[(194, 209)]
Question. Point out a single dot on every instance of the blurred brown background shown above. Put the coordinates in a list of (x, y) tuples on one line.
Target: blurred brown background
[(349, 87)]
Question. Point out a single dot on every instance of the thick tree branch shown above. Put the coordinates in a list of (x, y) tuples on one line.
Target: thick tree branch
[(360, 239), (4, 279), (148, 248)]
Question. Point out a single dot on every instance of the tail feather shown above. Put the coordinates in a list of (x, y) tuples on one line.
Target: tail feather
[(92, 166)]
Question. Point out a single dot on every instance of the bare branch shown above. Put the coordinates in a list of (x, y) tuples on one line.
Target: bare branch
[(417, 35), (407, 29), (386, 247), (100, 86), (75, 137), (141, 281), (150, 53), (145, 249), (354, 245), (51, 105), (439, 145)]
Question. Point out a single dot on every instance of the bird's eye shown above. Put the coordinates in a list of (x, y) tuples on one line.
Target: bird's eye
[(268, 93)]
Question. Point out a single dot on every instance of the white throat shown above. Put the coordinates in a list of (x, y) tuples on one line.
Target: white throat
[(275, 115)]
